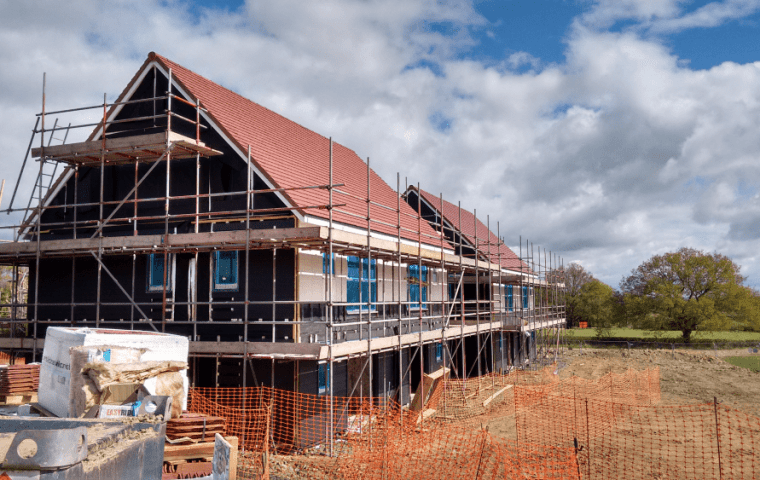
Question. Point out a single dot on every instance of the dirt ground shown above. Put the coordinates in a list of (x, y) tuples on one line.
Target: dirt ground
[(692, 376), (685, 377)]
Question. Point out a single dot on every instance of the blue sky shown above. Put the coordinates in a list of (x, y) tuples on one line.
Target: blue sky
[(604, 130), (540, 27)]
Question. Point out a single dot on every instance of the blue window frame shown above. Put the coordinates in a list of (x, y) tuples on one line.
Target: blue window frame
[(361, 285), (156, 273), (417, 286), (438, 352), (525, 297), (226, 270), (510, 299), (453, 290), (324, 377), (325, 262)]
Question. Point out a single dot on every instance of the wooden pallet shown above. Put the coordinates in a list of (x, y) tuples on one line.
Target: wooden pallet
[(19, 379), (195, 427), (18, 398), (186, 458)]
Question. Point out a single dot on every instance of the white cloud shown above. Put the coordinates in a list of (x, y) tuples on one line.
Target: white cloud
[(710, 15), (618, 154)]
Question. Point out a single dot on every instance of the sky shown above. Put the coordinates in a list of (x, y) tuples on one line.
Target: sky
[(605, 131)]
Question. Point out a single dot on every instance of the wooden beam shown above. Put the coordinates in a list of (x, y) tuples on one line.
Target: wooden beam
[(149, 242), (492, 397), (136, 142)]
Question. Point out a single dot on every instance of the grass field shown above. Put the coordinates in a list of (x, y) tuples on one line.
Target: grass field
[(752, 363), (628, 333)]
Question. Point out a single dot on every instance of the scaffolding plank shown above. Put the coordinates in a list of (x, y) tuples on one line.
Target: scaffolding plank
[(122, 149), (150, 242)]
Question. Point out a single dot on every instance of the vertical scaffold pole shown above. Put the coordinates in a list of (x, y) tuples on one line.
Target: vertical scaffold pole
[(477, 291), (461, 300), (330, 302), (398, 287), (419, 303), (248, 188), (39, 216), (369, 299), (166, 202), (503, 306), (444, 317), (74, 235), (100, 218)]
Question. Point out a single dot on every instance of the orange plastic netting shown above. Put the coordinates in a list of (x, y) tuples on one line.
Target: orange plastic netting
[(542, 427)]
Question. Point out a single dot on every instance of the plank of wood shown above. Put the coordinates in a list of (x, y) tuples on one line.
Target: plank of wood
[(194, 469), (427, 386), (194, 428), (196, 450), (427, 413), (492, 397), (18, 399)]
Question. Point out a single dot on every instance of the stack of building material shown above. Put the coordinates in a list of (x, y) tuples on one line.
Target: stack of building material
[(19, 383), (194, 428), (196, 460)]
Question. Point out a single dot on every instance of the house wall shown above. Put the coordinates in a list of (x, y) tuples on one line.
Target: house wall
[(56, 289), (312, 289), (499, 293), (220, 174)]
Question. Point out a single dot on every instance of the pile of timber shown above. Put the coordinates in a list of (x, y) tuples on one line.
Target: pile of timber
[(193, 428), (196, 460), (19, 383)]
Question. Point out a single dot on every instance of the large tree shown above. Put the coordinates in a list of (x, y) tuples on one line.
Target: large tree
[(574, 277), (595, 304), (689, 290)]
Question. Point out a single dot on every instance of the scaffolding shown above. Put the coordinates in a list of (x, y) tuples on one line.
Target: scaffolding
[(375, 326)]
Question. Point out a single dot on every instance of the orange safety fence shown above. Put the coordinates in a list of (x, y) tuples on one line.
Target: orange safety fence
[(452, 453), (705, 441), (543, 427)]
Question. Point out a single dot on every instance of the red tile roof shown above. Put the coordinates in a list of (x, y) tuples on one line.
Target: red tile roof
[(291, 155), (473, 229)]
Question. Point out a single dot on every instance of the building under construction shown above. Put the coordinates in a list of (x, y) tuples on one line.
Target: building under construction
[(281, 254)]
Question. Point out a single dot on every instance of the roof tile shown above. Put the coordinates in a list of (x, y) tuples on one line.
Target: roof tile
[(294, 156)]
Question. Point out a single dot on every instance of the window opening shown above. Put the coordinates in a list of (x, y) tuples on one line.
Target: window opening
[(156, 272), (324, 376), (325, 263), (226, 270), (361, 283), (417, 286)]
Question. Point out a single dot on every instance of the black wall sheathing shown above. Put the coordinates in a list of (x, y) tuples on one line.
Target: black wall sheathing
[(55, 296), (218, 174)]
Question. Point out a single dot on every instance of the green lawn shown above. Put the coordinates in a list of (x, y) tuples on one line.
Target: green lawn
[(753, 362), (590, 333)]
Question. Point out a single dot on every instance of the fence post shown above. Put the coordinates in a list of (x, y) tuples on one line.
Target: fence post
[(482, 449), (717, 436), (588, 444), (265, 453)]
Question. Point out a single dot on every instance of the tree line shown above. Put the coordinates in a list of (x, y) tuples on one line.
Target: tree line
[(687, 291)]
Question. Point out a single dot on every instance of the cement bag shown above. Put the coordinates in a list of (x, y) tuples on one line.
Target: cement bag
[(84, 394)]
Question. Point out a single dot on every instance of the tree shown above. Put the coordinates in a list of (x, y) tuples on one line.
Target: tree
[(689, 290), (574, 277), (595, 303)]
